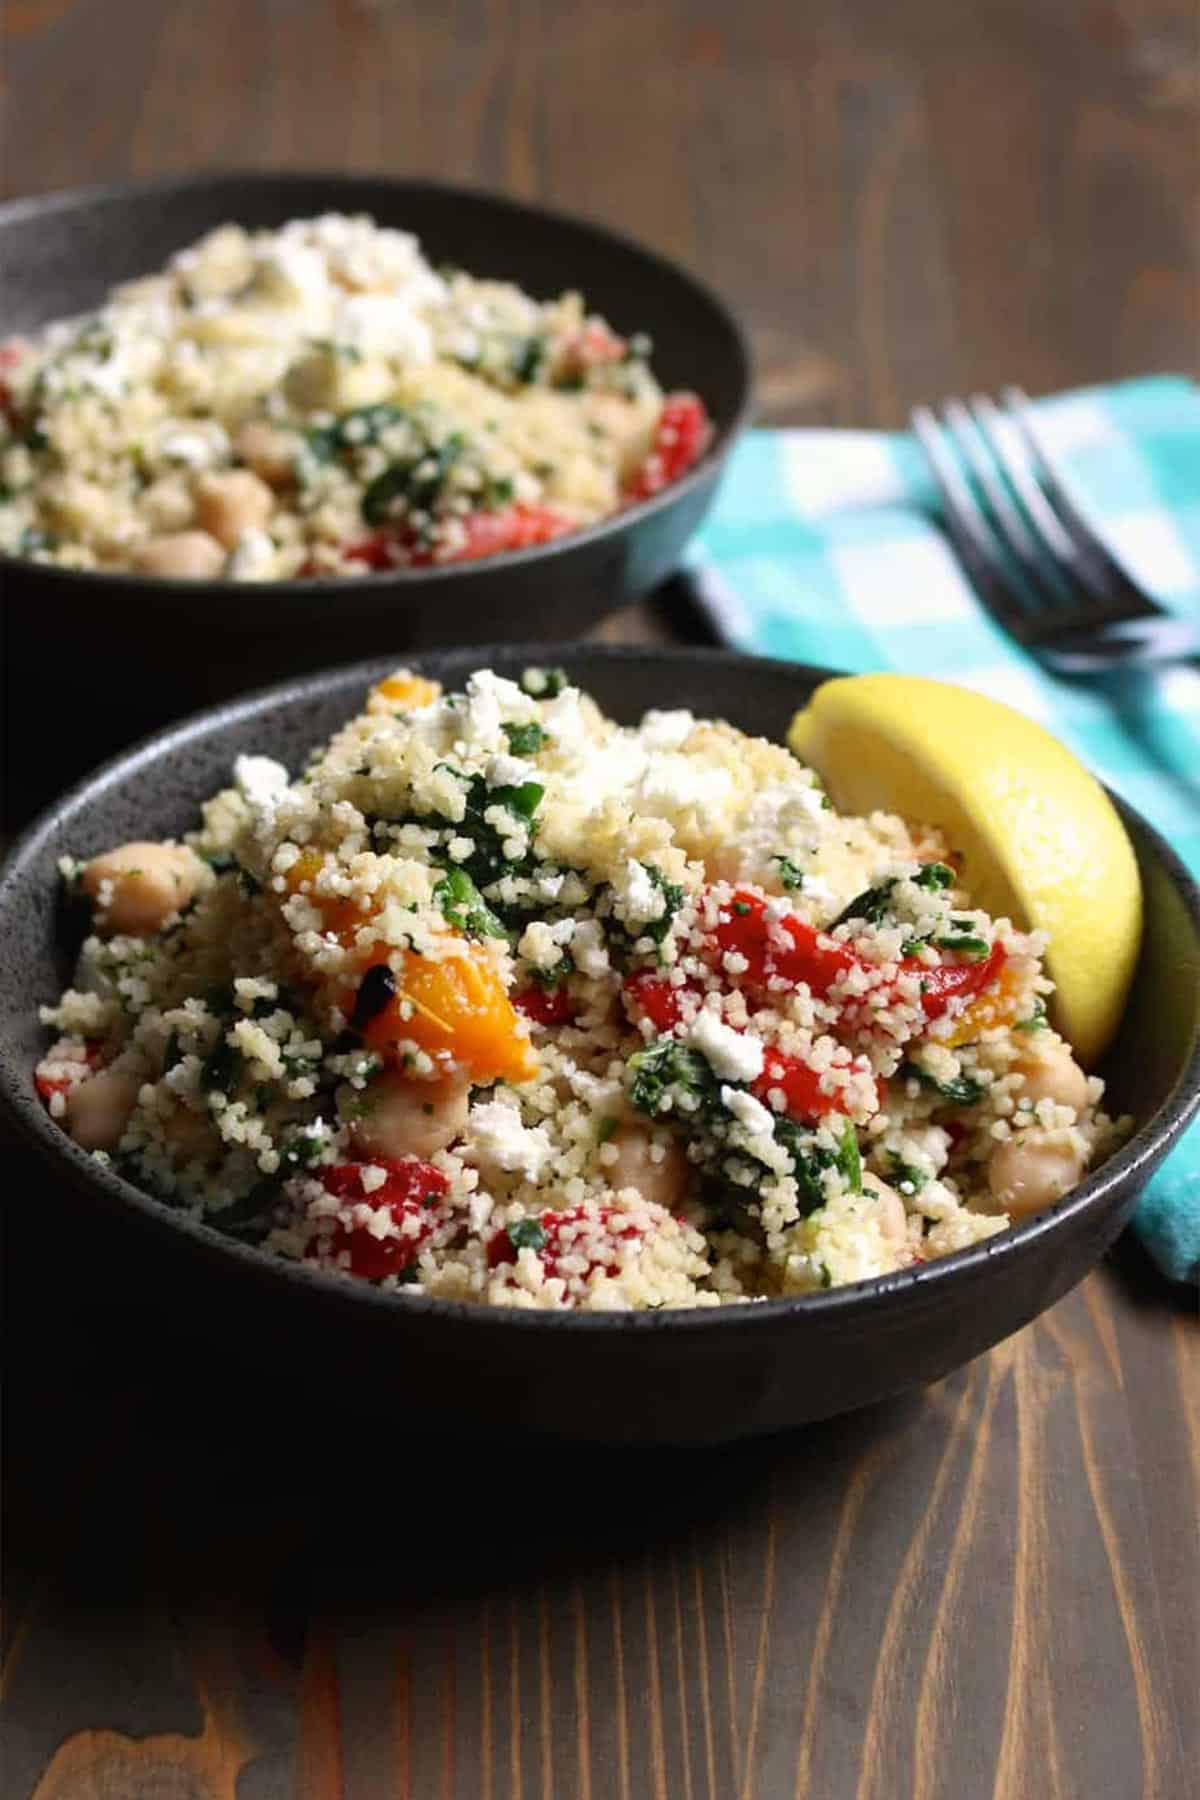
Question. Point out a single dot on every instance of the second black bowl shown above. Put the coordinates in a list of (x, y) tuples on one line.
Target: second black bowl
[(142, 651)]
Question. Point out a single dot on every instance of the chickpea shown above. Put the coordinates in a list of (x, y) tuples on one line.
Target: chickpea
[(193, 555), (1026, 1173), (167, 504), (269, 452), (1050, 1072), (98, 1109), (893, 1219), (137, 887), (403, 1117), (229, 503), (663, 1182)]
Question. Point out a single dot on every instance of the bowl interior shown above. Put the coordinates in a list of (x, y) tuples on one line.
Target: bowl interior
[(63, 252), (157, 789)]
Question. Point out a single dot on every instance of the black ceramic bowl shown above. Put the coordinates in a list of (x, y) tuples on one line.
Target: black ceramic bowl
[(138, 651), (639, 1378)]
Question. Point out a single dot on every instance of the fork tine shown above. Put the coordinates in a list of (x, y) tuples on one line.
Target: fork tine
[(1104, 568), (1045, 580), (1091, 602), (969, 531)]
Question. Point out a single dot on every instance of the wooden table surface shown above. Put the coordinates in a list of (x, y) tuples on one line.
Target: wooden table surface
[(989, 1588)]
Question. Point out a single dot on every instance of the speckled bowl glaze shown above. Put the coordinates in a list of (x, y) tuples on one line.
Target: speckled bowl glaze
[(695, 1377), (136, 652)]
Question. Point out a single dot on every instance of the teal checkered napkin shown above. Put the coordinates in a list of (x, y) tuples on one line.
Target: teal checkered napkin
[(825, 548)]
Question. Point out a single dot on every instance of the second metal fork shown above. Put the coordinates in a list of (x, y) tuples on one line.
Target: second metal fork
[(1036, 563)]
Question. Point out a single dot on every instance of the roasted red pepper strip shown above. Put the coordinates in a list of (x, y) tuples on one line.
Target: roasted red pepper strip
[(804, 1098), (552, 1248), (779, 949), (410, 1187), (511, 528), (655, 996), (681, 437), (545, 1005), (954, 981)]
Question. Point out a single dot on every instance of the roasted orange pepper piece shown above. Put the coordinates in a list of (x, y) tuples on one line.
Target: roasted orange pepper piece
[(403, 692), (456, 1007)]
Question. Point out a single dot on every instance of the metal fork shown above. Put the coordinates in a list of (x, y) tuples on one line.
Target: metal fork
[(1035, 562)]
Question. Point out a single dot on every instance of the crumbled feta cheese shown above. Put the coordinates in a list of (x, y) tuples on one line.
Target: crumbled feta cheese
[(757, 1119), (666, 730), (542, 944), (733, 1055), (508, 771), (643, 900), (260, 780), (588, 949), (496, 1136)]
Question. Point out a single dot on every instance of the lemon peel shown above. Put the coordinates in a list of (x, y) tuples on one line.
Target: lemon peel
[(1037, 838)]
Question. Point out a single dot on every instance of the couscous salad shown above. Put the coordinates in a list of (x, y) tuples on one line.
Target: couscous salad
[(318, 400), (504, 1002)]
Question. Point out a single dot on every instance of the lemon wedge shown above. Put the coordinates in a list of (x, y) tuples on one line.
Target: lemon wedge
[(1039, 840)]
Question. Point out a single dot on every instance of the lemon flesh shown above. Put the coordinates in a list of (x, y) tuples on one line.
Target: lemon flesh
[(1039, 840)]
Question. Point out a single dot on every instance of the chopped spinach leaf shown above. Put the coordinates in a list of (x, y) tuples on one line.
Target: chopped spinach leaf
[(464, 906), (528, 356), (849, 1161), (665, 1065), (416, 480), (965, 942), (352, 430), (809, 1159), (903, 1175), (870, 905), (554, 977), (964, 1090), (222, 1066)]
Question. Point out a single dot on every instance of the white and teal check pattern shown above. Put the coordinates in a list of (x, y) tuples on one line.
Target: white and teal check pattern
[(825, 548)]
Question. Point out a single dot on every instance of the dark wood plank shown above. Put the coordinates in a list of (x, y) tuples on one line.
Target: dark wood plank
[(986, 1589), (901, 200)]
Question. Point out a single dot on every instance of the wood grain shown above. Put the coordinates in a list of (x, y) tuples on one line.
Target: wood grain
[(988, 1589)]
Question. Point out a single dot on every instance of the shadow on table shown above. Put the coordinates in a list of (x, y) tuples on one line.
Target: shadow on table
[(110, 1411)]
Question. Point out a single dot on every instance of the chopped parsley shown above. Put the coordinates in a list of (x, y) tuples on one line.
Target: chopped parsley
[(791, 877), (304, 1148), (526, 1234), (1037, 1020), (545, 684), (525, 740)]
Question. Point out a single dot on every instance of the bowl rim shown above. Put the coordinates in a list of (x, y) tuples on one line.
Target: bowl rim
[(65, 200), (1148, 1143)]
